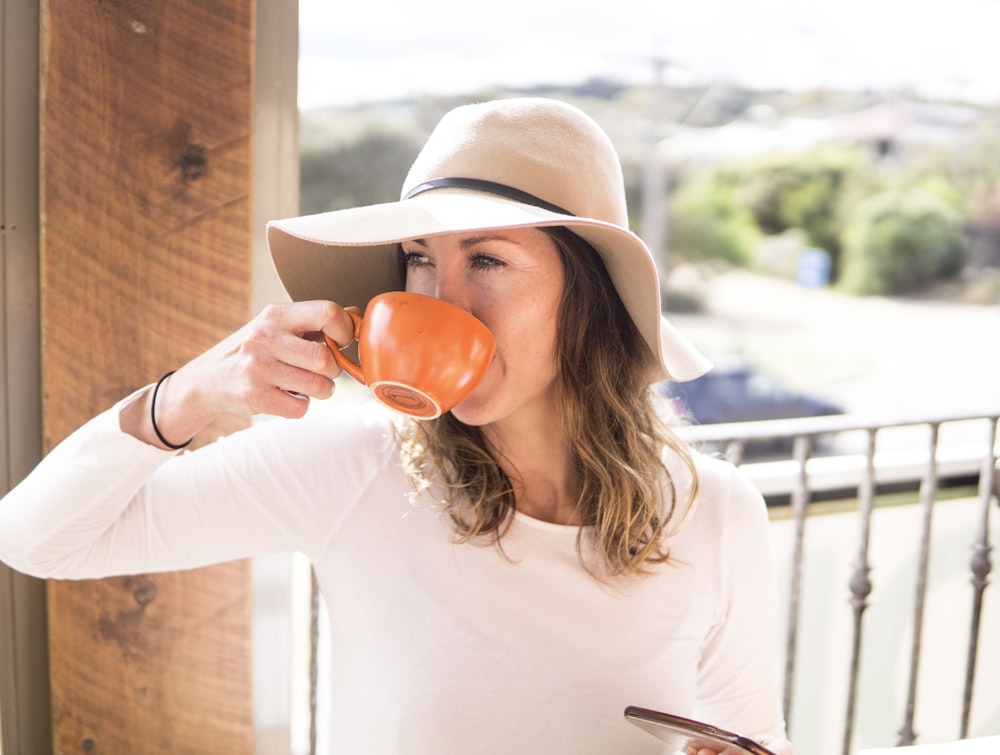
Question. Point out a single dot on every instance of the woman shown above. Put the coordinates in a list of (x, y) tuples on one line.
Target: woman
[(508, 577)]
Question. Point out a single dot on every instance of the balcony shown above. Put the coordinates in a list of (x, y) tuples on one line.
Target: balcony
[(883, 545)]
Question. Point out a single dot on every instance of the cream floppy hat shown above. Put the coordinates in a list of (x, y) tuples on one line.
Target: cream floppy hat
[(502, 164)]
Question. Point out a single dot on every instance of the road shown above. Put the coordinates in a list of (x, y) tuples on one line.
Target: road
[(874, 356)]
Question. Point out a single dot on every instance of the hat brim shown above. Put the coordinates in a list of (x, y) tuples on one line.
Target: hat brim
[(349, 256)]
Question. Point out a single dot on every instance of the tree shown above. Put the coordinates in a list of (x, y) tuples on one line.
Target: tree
[(707, 223), (368, 168), (806, 191), (900, 241)]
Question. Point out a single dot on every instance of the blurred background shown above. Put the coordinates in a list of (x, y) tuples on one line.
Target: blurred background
[(820, 182)]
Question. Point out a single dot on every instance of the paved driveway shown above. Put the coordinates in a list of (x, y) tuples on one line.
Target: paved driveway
[(873, 356)]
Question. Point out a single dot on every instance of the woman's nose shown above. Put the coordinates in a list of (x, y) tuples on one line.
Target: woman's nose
[(450, 287)]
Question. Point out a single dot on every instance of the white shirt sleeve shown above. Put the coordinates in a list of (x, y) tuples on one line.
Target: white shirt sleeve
[(104, 503), (737, 670)]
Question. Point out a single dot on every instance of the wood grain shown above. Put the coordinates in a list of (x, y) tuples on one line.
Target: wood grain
[(145, 181)]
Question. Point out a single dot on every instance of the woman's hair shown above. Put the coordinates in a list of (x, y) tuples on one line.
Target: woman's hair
[(617, 437)]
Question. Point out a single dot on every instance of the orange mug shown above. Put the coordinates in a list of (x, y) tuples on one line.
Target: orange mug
[(418, 355)]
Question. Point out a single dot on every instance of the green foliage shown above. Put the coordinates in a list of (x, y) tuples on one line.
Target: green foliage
[(900, 241), (806, 191), (707, 223), (939, 186), (969, 168), (367, 167)]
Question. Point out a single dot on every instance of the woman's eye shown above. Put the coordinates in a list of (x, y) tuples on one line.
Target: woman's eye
[(485, 262), (415, 259)]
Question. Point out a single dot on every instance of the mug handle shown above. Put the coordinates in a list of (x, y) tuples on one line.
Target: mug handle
[(349, 366)]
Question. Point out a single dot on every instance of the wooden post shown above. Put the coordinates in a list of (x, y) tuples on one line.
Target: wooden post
[(145, 194)]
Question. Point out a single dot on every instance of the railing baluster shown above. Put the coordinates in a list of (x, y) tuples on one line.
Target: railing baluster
[(980, 567), (314, 607), (734, 452), (860, 585), (928, 496), (800, 503)]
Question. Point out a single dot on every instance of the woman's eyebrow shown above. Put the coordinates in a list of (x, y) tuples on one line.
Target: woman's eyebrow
[(473, 240)]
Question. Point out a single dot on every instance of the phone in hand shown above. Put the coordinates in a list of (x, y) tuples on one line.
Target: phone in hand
[(686, 736)]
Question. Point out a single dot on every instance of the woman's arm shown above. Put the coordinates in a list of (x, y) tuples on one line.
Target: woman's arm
[(94, 505), (103, 503), (738, 669)]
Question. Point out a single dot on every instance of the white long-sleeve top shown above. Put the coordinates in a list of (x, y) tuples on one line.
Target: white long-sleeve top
[(436, 647)]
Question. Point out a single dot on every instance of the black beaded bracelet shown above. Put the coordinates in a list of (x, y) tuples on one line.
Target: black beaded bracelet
[(152, 416)]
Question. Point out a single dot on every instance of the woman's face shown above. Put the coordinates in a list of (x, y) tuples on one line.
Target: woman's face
[(512, 280)]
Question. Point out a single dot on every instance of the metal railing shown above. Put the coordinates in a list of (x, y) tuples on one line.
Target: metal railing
[(797, 478)]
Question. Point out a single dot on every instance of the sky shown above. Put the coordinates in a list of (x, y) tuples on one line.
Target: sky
[(371, 50)]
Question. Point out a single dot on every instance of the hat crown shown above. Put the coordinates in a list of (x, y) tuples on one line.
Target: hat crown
[(546, 148)]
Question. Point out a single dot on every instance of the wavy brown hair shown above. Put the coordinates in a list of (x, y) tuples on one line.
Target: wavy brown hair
[(627, 497)]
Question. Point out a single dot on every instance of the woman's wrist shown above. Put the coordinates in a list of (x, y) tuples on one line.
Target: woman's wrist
[(168, 414), (152, 417)]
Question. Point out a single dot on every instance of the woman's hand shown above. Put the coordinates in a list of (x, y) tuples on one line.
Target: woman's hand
[(272, 365)]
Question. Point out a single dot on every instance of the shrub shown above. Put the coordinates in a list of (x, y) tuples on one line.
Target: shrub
[(806, 191), (360, 169), (900, 241), (706, 223)]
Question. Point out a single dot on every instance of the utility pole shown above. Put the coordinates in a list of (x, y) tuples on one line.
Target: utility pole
[(654, 216)]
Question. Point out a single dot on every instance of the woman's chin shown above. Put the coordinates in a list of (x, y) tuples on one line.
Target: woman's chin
[(474, 409), (479, 408), (470, 412)]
